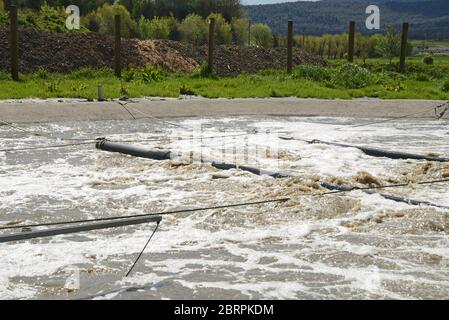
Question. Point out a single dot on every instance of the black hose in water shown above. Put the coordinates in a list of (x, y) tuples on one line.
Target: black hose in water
[(384, 153), (165, 155)]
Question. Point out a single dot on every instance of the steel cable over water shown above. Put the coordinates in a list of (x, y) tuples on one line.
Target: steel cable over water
[(243, 204)]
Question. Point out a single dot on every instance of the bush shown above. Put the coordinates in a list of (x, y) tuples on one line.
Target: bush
[(262, 36), (145, 74), (150, 74), (184, 90), (240, 31), (351, 76), (446, 86), (428, 60), (223, 34), (203, 71), (41, 73), (156, 28), (194, 29), (421, 77), (173, 26), (437, 73), (311, 72), (389, 44), (104, 19), (128, 75)]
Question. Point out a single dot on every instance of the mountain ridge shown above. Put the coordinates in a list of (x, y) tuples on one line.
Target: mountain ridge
[(429, 19)]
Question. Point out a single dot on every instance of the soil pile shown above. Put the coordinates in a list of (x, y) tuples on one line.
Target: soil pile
[(65, 52)]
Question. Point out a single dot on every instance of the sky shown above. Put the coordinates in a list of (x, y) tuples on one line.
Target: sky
[(269, 1)]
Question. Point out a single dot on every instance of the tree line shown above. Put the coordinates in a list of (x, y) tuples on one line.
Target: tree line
[(193, 28), (179, 9)]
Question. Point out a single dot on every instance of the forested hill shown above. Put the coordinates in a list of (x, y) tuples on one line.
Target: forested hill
[(427, 18)]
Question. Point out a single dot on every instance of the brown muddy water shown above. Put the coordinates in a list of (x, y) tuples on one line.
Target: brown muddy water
[(343, 246)]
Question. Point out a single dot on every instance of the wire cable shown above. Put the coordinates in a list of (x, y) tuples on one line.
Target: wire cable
[(45, 147), (143, 250), (147, 116), (446, 104), (244, 204)]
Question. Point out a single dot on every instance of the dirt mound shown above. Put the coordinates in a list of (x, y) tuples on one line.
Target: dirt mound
[(233, 60), (65, 52)]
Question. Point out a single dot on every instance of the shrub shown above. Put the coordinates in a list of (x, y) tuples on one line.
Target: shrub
[(156, 28), (393, 85), (262, 36), (223, 34), (194, 29), (173, 26), (428, 59), (41, 73), (104, 19), (124, 91), (203, 71), (446, 86), (351, 76), (150, 74), (389, 44), (240, 31), (184, 90), (437, 73), (128, 75), (421, 77), (311, 72)]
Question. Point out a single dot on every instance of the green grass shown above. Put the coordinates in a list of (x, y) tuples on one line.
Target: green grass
[(430, 43), (421, 82)]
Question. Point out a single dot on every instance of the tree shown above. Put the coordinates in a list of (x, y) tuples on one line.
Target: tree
[(194, 29), (223, 33), (390, 44), (240, 31), (261, 35), (228, 8)]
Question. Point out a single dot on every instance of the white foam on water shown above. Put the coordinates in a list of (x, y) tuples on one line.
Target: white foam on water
[(304, 244)]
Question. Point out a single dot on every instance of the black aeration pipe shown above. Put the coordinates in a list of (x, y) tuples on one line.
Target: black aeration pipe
[(165, 155), (384, 153)]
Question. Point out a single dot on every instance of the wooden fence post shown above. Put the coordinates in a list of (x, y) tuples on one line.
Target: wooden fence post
[(290, 47), (210, 62), (351, 42), (14, 43), (118, 45), (403, 47)]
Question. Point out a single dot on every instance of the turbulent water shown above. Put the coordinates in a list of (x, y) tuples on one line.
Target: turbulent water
[(354, 245)]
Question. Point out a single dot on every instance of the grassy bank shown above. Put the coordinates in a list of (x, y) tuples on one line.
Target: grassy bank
[(376, 79)]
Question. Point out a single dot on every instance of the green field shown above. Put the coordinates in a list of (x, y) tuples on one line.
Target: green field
[(420, 82), (430, 43)]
